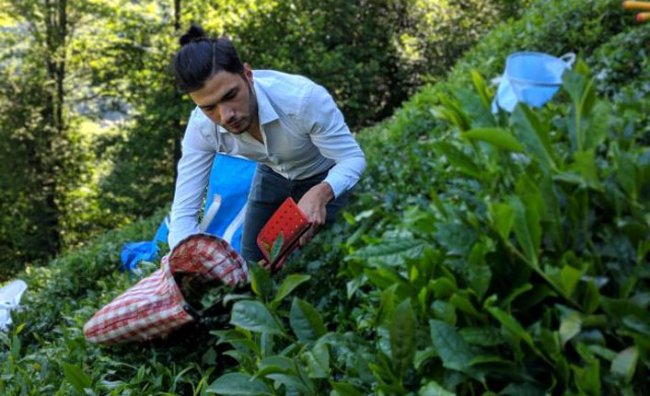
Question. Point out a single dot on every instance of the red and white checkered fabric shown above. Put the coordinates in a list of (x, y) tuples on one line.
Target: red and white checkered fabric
[(154, 307)]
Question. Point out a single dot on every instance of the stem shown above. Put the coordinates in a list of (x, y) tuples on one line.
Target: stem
[(543, 275)]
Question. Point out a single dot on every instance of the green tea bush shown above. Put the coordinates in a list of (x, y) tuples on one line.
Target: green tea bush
[(623, 61), (530, 274), (45, 352)]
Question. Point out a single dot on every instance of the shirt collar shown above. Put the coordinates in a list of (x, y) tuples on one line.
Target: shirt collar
[(265, 109)]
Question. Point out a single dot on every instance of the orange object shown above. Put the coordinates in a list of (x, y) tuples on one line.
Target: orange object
[(643, 17), (636, 5)]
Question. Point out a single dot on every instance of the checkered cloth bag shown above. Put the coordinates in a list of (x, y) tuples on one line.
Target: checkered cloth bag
[(155, 306)]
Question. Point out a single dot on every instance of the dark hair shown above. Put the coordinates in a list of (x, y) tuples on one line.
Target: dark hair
[(201, 57)]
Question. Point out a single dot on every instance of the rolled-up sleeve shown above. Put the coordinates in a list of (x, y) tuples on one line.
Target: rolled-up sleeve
[(192, 180), (330, 133)]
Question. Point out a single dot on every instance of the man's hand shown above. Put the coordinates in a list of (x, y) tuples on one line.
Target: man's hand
[(313, 204)]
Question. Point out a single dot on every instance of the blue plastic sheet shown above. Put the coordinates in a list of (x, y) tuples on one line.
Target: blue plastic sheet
[(530, 77), (230, 178)]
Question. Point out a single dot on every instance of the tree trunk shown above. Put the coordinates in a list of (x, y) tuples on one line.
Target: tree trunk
[(55, 128)]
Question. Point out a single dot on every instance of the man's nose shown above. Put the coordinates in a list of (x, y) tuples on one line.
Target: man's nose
[(227, 113)]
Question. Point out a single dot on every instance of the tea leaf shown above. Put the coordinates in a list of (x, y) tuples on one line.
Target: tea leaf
[(305, 321), (626, 173), (390, 252), (483, 336), (293, 383), (591, 297), (458, 159), (277, 247), (383, 277), (585, 165), (624, 364), (569, 277), (387, 304), (443, 287), (587, 378), (444, 310), (582, 92), (599, 124), (510, 322), (481, 88), (474, 105), (239, 384), (254, 316), (318, 361), (503, 218), (261, 282), (402, 336), (496, 136), (345, 389), (530, 194), (527, 230), (515, 293), (456, 237), (534, 136), (423, 356), (289, 284), (452, 348), (434, 389), (451, 112), (479, 274), (570, 326), (274, 365), (461, 301), (76, 377)]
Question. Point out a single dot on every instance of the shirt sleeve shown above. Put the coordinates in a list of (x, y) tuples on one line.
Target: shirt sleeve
[(331, 135), (193, 175)]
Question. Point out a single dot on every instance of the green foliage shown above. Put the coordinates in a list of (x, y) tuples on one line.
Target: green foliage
[(555, 27), (540, 282), (370, 55), (100, 60), (131, 74), (483, 254), (64, 66), (41, 155)]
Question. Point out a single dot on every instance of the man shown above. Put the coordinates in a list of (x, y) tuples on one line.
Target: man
[(287, 123)]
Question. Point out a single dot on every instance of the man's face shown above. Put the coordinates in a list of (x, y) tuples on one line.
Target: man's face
[(228, 99)]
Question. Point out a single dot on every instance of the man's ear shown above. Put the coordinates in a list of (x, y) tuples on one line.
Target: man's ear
[(248, 72)]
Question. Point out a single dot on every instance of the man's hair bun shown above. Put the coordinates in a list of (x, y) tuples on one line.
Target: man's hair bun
[(195, 32)]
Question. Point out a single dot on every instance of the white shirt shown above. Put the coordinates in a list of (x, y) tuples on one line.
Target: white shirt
[(304, 134)]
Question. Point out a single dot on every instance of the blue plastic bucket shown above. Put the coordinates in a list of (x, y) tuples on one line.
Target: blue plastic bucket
[(532, 78)]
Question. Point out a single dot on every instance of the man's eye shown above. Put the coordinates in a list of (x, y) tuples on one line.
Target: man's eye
[(230, 95)]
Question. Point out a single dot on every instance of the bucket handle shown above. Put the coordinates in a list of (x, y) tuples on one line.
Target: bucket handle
[(569, 58)]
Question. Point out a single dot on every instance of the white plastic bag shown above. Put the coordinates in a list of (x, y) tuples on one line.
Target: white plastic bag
[(10, 296)]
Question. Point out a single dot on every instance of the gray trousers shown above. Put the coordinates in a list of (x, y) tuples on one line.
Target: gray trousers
[(268, 191)]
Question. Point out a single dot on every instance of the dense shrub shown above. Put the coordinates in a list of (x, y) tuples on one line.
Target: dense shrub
[(554, 27), (522, 240)]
